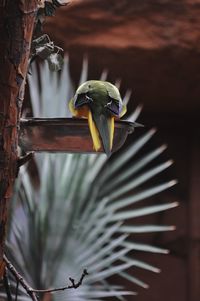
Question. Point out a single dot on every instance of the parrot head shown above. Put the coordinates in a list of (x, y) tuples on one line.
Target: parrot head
[(100, 102)]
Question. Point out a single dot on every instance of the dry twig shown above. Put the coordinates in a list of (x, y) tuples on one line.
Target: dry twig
[(7, 285), (20, 279), (31, 291)]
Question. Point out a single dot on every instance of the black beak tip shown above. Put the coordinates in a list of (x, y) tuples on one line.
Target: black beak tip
[(108, 153)]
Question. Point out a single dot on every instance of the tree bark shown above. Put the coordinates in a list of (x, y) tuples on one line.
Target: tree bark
[(17, 19)]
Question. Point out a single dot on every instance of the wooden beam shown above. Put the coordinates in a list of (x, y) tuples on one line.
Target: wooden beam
[(66, 135)]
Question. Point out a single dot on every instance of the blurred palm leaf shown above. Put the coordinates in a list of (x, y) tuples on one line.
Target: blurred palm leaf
[(77, 217)]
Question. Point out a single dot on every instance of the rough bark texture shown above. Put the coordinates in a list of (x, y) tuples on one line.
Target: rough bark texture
[(16, 26)]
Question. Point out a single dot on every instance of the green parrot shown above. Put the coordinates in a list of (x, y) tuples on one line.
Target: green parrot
[(100, 102)]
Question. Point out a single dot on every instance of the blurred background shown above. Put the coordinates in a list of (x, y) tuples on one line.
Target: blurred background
[(152, 47)]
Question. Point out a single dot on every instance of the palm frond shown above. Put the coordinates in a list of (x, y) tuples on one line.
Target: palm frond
[(75, 219)]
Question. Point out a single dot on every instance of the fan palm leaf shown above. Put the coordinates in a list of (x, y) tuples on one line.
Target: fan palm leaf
[(75, 219)]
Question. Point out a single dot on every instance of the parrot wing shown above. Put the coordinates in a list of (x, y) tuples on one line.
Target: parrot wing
[(83, 89), (80, 112), (115, 105), (81, 96), (113, 92)]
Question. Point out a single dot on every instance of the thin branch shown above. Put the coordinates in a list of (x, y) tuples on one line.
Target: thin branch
[(31, 291), (24, 159), (7, 285), (16, 290), (20, 279), (59, 48), (73, 285)]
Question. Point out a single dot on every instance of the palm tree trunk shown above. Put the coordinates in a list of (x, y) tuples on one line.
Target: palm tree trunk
[(17, 19)]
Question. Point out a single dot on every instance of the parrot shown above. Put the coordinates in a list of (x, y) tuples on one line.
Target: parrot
[(100, 102)]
